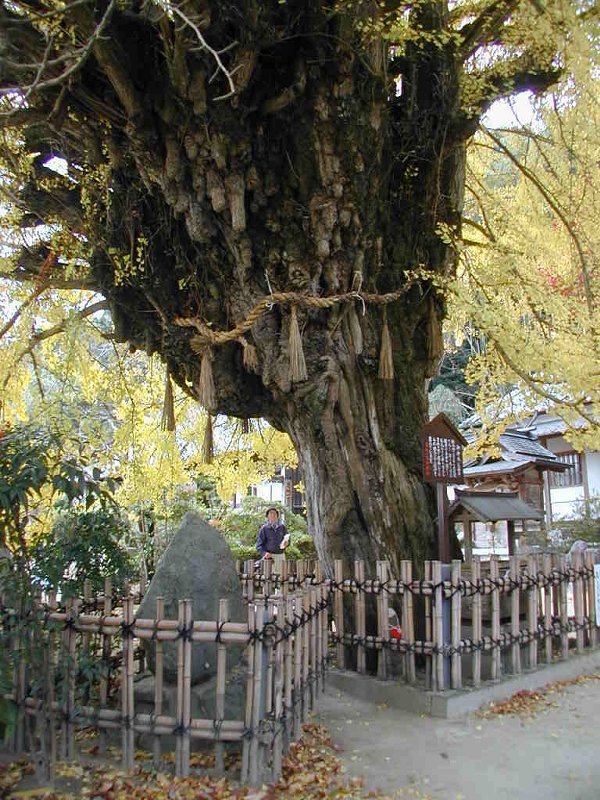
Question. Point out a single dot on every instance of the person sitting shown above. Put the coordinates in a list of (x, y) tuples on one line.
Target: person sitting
[(273, 537)]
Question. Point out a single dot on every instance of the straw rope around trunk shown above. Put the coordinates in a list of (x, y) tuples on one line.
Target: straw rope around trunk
[(207, 336)]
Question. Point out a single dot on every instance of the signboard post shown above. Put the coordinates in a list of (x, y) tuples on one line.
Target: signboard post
[(442, 464)]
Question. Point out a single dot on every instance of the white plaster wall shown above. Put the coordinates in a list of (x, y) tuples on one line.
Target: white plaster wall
[(593, 472)]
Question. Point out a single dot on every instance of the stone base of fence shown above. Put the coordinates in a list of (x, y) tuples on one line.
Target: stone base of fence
[(452, 704)]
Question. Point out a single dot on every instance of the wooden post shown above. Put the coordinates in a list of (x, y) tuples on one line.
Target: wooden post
[(256, 765), (477, 632), (278, 705), (443, 532), (289, 671), (383, 624), (106, 650), (338, 611), (87, 597), (408, 621), (158, 681), (456, 626), (547, 607), (591, 600), (127, 671), (429, 663), (577, 564), (306, 650), (564, 607), (359, 606), (532, 610), (515, 624), (495, 601), (184, 684), (247, 740), (438, 625), (220, 692), (299, 646)]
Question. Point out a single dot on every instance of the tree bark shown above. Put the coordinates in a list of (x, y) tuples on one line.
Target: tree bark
[(316, 177)]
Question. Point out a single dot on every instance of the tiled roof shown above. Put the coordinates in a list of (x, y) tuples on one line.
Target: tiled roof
[(492, 506)]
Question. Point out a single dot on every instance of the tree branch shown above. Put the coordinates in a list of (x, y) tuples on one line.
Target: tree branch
[(486, 28), (560, 213)]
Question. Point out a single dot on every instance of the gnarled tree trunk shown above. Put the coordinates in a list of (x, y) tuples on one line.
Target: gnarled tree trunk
[(318, 176)]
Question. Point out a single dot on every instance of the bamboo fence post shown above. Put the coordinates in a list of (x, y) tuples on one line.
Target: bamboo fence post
[(456, 625), (220, 692), (591, 600), (299, 637), (429, 680), (127, 672), (564, 606), (70, 678), (307, 644), (52, 655), (158, 680), (315, 644), (19, 678), (278, 705), (578, 600), (477, 631), (515, 623), (383, 622), (547, 568), (300, 573), (495, 603), (87, 597), (256, 749), (248, 735), (285, 574), (288, 663), (324, 617), (270, 661), (532, 610), (438, 625), (408, 623), (248, 585), (267, 566), (359, 606), (338, 611), (106, 651), (184, 683)]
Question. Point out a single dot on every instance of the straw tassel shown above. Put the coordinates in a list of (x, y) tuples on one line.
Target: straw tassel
[(206, 384), (435, 341), (386, 361), (297, 363), (245, 425), (208, 452), (250, 355), (167, 422)]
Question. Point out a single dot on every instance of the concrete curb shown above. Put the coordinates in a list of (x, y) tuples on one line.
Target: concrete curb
[(457, 703)]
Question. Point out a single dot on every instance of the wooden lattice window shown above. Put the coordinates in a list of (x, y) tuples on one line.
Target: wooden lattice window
[(572, 476)]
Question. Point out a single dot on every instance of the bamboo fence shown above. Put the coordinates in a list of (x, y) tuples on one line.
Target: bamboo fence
[(459, 625), (285, 647)]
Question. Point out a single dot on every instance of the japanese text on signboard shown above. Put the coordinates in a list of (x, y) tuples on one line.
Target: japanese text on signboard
[(442, 459)]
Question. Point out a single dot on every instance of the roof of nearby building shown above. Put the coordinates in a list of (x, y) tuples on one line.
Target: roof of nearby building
[(520, 451), (493, 506)]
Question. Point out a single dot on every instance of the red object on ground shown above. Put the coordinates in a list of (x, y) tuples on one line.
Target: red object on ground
[(395, 632)]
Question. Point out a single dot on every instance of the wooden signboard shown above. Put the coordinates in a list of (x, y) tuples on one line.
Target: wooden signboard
[(442, 464)]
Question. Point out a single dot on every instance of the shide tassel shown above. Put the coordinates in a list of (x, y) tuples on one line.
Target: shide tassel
[(297, 363), (167, 422), (207, 445), (206, 384), (386, 361), (435, 341), (250, 355)]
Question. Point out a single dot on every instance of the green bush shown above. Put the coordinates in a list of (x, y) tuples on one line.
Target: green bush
[(83, 545)]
